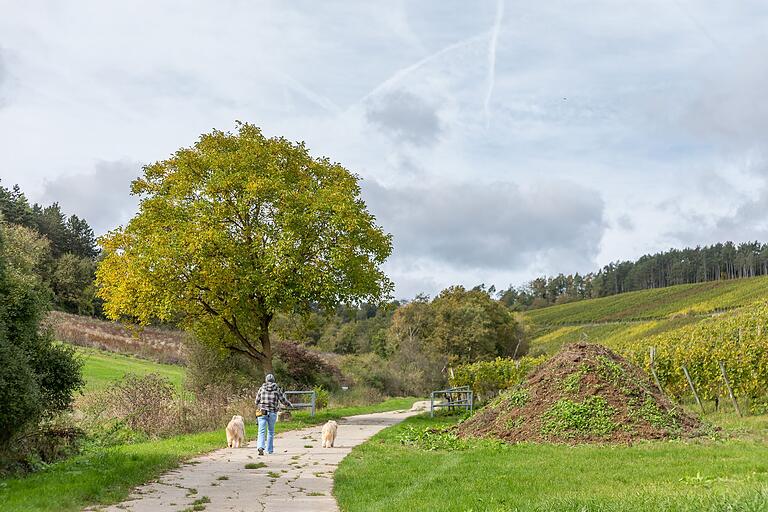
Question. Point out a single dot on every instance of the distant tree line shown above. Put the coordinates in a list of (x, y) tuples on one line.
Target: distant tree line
[(66, 247), (676, 266)]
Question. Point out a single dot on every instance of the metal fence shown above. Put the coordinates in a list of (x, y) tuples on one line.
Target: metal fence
[(303, 405), (460, 397)]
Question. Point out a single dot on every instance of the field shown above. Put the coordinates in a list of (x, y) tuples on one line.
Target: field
[(386, 474), (101, 368), (628, 318)]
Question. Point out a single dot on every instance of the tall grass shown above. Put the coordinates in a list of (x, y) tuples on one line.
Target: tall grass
[(162, 345)]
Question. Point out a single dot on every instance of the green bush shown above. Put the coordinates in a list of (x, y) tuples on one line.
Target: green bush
[(37, 376), (321, 397), (369, 370), (487, 378), (19, 392)]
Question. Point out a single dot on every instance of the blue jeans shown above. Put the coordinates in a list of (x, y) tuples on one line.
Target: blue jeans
[(267, 425)]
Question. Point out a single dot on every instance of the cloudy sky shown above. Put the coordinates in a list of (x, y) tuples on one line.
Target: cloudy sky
[(496, 140)]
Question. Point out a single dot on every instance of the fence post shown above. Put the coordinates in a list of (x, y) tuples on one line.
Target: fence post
[(471, 401), (432, 404), (314, 399), (730, 391), (693, 388)]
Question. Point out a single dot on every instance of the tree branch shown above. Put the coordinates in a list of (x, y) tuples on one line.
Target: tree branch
[(251, 350)]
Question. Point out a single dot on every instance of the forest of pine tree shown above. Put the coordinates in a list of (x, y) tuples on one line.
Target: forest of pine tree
[(68, 246), (675, 266)]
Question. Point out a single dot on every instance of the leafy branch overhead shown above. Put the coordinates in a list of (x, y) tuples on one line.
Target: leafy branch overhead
[(237, 228)]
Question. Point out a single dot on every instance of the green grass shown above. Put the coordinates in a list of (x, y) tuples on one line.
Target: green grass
[(107, 475), (707, 475), (102, 368)]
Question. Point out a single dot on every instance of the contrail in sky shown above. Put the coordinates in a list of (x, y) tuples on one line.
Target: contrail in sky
[(492, 60), (698, 25), (318, 99), (403, 72)]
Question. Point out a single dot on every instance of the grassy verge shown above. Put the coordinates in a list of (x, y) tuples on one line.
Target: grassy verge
[(102, 368), (386, 475), (107, 475)]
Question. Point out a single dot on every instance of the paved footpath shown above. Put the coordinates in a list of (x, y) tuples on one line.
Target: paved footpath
[(297, 477)]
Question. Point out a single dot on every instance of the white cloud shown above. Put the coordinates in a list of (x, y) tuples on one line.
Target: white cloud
[(635, 105), (99, 195)]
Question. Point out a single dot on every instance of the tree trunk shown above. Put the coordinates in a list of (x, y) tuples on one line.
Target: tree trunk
[(266, 345)]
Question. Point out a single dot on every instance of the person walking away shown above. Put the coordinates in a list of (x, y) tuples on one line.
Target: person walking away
[(268, 399)]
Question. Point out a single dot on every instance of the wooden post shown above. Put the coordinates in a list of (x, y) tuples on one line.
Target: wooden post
[(730, 391), (693, 388), (653, 371), (432, 404)]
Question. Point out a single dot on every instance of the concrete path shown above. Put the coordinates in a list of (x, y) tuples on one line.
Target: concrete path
[(297, 477)]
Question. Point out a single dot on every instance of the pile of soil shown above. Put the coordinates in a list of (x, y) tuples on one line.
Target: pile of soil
[(585, 393)]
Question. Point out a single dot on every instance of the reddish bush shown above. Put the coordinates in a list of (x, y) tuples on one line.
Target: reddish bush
[(300, 367)]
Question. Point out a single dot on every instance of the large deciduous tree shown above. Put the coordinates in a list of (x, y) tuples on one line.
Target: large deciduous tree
[(235, 229), (470, 326)]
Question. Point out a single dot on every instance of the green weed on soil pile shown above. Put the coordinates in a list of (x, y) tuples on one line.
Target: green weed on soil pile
[(585, 393)]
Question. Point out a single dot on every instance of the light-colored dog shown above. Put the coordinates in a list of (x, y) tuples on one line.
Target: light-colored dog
[(329, 434), (235, 432)]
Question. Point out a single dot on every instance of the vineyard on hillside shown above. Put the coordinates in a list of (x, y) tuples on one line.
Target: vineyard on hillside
[(614, 334), (739, 340), (696, 326), (689, 299)]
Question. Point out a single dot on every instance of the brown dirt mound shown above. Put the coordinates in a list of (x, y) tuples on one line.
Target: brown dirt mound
[(585, 393)]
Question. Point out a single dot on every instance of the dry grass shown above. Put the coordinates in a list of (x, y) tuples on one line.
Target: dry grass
[(162, 345), (149, 404)]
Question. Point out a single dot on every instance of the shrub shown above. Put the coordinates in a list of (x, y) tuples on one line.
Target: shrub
[(19, 392), (144, 403), (37, 376), (211, 367), (369, 370), (414, 371), (356, 396), (137, 407), (487, 378), (321, 397), (300, 368)]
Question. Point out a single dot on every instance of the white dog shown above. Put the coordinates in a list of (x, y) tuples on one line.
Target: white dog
[(329, 434), (235, 432)]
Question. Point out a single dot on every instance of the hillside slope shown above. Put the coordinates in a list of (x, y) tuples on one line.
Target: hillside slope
[(620, 319), (101, 368), (161, 345)]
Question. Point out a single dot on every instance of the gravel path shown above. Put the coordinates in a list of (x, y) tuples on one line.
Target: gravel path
[(297, 477)]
